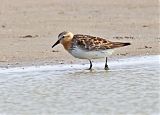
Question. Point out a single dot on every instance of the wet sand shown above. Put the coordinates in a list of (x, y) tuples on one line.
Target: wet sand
[(29, 28)]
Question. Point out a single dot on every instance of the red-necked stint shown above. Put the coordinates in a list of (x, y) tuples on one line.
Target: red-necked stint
[(88, 47)]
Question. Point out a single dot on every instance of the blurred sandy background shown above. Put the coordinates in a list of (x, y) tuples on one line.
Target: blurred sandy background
[(28, 28)]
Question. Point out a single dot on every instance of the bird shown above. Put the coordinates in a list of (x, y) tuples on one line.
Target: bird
[(87, 46)]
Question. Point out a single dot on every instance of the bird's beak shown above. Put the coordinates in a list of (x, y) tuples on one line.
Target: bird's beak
[(56, 43)]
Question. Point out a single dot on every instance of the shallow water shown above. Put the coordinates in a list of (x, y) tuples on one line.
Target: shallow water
[(130, 87)]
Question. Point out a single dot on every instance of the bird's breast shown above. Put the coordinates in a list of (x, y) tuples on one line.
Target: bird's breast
[(84, 54), (66, 44)]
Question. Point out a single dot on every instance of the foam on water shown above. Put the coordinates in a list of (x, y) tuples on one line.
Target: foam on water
[(155, 59)]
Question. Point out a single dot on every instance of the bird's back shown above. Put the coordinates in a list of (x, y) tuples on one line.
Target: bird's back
[(91, 43)]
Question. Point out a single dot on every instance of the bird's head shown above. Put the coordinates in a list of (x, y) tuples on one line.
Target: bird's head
[(64, 37)]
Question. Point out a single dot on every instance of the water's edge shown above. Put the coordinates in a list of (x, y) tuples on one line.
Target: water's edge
[(63, 67)]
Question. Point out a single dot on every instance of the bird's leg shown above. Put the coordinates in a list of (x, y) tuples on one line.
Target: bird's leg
[(106, 65), (90, 65)]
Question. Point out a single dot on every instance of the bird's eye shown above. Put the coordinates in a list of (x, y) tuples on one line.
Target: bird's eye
[(63, 37)]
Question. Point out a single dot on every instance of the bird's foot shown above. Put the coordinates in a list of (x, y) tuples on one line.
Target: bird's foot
[(106, 67), (89, 69)]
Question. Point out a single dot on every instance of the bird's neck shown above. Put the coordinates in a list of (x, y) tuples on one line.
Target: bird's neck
[(66, 44)]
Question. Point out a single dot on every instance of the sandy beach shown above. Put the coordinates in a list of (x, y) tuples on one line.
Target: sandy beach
[(29, 28)]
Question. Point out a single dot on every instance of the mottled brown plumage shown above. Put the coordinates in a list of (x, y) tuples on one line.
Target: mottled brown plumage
[(87, 42)]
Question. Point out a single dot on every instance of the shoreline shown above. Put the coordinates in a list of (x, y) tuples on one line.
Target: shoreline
[(82, 62), (131, 60)]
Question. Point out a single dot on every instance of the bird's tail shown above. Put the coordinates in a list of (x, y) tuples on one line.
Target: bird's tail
[(120, 44)]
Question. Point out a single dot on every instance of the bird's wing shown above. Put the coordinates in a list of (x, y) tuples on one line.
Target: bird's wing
[(88, 42)]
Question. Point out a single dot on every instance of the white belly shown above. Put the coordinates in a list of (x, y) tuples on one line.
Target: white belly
[(82, 54)]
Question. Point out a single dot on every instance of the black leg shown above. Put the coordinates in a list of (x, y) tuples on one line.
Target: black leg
[(106, 65), (90, 65)]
